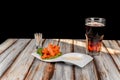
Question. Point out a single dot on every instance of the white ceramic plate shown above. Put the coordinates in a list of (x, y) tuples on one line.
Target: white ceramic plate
[(78, 59)]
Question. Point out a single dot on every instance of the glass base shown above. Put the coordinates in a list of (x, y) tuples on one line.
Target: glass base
[(93, 53)]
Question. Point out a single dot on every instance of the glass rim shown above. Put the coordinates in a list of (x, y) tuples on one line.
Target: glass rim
[(92, 21), (94, 18)]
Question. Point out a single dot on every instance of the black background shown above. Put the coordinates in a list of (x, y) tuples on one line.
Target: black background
[(56, 21)]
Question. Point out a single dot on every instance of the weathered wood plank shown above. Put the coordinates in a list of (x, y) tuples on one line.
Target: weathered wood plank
[(48, 71), (36, 71), (118, 42), (6, 53), (64, 71), (89, 71), (6, 44), (114, 51), (106, 67), (8, 57), (41, 70), (21, 65)]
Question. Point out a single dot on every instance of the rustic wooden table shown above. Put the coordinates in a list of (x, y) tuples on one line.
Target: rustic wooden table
[(17, 63)]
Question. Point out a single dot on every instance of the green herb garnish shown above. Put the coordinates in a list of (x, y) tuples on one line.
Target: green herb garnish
[(39, 51)]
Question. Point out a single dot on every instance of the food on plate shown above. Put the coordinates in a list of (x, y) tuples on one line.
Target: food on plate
[(49, 52)]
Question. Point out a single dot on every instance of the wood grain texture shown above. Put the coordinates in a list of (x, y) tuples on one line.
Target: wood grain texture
[(17, 63), (21, 65), (118, 42), (7, 58), (106, 67), (89, 71), (114, 50), (39, 70), (64, 71), (48, 71), (36, 71), (6, 44)]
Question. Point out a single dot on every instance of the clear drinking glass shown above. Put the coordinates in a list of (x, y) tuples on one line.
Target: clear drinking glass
[(94, 34)]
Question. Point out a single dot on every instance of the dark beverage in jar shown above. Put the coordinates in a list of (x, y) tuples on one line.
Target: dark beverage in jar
[(94, 36)]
